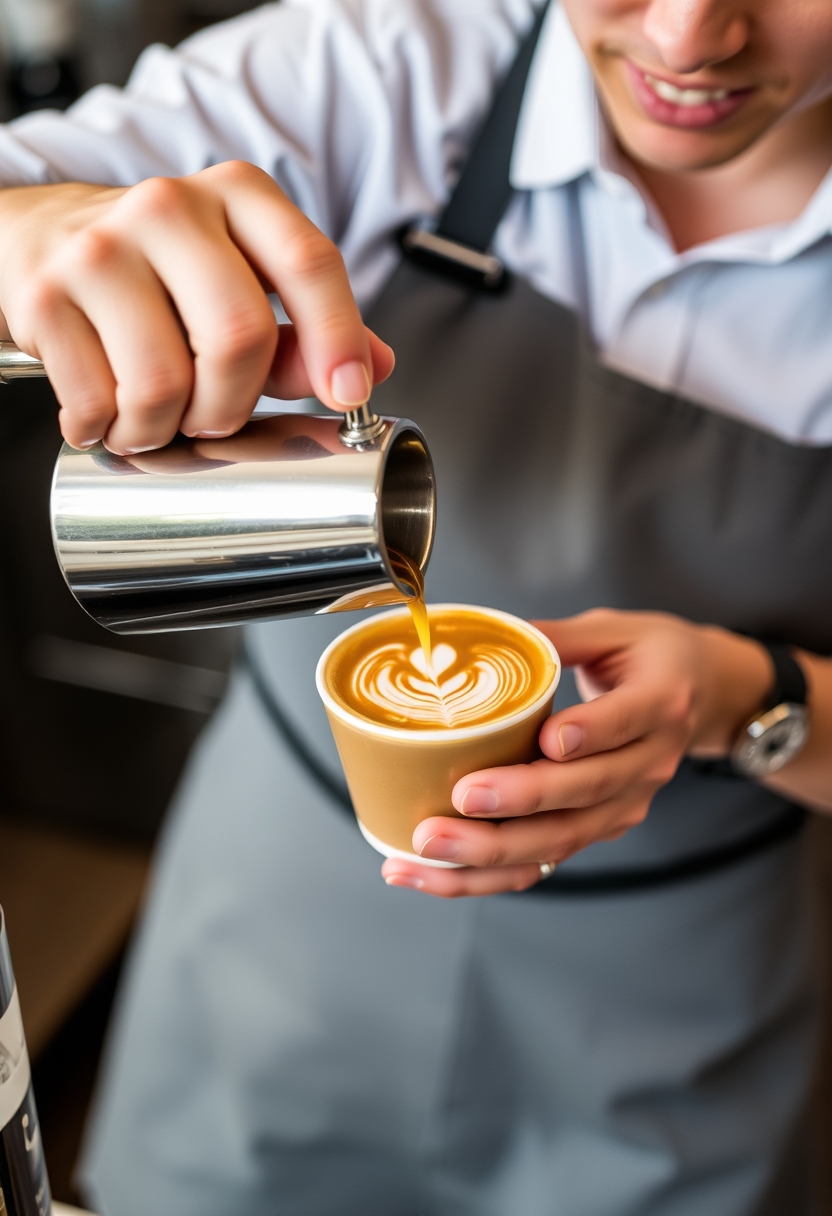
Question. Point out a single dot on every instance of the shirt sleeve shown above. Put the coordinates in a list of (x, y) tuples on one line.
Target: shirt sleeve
[(359, 109)]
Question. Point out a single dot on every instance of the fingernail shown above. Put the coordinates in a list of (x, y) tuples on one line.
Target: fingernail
[(89, 443), (212, 434), (440, 848), (570, 738), (479, 800), (405, 880), (351, 384), (136, 451)]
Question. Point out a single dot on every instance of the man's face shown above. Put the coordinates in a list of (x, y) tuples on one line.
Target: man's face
[(688, 84)]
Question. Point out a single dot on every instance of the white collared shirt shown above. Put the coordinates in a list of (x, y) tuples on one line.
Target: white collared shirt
[(362, 111)]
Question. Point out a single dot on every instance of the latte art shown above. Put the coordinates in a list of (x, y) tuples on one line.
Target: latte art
[(399, 686), (482, 671), (407, 727)]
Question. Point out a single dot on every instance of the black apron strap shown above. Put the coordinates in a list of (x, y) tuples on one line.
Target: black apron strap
[(635, 879), (460, 243), (331, 785)]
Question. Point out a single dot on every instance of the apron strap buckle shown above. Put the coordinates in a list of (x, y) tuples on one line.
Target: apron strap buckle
[(471, 266)]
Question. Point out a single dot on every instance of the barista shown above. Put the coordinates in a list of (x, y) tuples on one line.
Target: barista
[(295, 1035)]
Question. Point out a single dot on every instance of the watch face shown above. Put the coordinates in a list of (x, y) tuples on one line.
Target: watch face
[(771, 740)]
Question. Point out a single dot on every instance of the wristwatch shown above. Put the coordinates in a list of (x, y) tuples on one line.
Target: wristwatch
[(774, 737)]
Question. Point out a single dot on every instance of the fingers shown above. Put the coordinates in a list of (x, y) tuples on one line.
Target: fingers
[(616, 718), (453, 884), (182, 234), (289, 379), (308, 272), (162, 289), (584, 639), (138, 329), (383, 357), (77, 366), (526, 789), (548, 836)]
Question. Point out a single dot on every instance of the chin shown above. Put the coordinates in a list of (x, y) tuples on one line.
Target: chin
[(679, 150), (673, 151)]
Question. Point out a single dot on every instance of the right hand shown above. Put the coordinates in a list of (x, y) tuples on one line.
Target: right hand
[(148, 305)]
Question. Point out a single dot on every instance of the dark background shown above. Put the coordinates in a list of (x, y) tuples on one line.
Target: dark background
[(86, 773)]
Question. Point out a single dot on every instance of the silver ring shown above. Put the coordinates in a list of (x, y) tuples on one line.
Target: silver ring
[(546, 868)]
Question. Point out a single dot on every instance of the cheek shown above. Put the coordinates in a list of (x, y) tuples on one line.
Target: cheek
[(593, 21), (801, 48)]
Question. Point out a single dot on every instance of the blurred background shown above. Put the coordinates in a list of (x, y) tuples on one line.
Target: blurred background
[(52, 49), (94, 730)]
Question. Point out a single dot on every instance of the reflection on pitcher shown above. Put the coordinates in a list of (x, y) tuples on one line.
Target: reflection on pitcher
[(282, 519)]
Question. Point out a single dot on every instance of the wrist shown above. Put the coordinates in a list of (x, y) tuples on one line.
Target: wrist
[(738, 676)]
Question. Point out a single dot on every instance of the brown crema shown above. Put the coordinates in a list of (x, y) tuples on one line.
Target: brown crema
[(484, 670)]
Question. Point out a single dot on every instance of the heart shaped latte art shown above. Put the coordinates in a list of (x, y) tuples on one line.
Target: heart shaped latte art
[(394, 679)]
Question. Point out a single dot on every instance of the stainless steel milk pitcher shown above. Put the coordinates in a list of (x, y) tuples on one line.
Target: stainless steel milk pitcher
[(294, 514)]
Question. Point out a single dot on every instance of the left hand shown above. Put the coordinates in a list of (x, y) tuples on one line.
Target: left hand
[(656, 688)]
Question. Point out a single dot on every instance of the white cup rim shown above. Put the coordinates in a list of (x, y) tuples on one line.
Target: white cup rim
[(444, 733)]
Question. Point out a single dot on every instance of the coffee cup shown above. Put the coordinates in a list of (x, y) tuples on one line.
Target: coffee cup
[(400, 769)]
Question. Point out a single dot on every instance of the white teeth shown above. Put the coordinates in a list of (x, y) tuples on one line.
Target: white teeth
[(684, 97)]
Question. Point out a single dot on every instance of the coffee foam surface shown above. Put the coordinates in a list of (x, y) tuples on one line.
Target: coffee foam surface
[(484, 670)]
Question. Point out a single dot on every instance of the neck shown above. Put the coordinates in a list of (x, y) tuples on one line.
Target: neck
[(771, 183)]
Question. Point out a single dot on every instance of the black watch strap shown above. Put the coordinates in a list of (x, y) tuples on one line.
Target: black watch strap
[(789, 680)]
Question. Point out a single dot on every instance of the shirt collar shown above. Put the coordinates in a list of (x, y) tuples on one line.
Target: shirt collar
[(562, 135), (560, 87)]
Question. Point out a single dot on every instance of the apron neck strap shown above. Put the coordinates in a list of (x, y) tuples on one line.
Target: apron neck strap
[(483, 191), (458, 247)]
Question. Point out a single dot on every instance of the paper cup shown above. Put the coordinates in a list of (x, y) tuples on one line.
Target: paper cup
[(397, 777)]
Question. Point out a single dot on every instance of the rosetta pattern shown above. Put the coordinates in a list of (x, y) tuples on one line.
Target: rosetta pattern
[(486, 686)]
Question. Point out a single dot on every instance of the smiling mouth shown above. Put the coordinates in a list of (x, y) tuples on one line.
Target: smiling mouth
[(675, 106), (684, 97)]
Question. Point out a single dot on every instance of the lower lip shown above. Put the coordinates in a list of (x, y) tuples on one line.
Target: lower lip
[(709, 114)]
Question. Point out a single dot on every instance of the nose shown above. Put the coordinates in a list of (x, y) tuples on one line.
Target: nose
[(694, 34)]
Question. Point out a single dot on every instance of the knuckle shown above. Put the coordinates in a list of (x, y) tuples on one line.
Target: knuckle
[(679, 706), (453, 890), (92, 408), (635, 815), (87, 408), (569, 843), (662, 770), (239, 172), (246, 334), (595, 789), (309, 254), (39, 299), (599, 616), (154, 197), (534, 793), (620, 725), (535, 800), (495, 854), (93, 249), (160, 388)]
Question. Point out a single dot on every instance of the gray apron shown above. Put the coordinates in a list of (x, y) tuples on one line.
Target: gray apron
[(296, 1038)]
